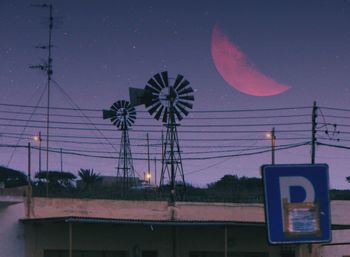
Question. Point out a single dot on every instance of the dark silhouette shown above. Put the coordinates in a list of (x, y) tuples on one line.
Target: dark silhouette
[(12, 178), (89, 177)]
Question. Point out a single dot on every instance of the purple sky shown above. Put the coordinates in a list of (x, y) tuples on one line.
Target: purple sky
[(101, 48)]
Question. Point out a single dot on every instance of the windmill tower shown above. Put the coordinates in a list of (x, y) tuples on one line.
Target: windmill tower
[(168, 100), (123, 115)]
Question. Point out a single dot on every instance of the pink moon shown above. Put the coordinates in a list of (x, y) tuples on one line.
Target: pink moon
[(234, 68)]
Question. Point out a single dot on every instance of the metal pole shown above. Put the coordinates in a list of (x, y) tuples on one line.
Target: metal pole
[(49, 73), (40, 151), (61, 160), (29, 162), (155, 170), (148, 162), (29, 192), (172, 162), (313, 135)]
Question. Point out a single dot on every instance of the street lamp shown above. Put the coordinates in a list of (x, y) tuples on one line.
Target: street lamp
[(271, 135), (38, 138), (148, 177)]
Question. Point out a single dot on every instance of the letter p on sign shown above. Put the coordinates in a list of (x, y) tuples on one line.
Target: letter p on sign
[(297, 203)]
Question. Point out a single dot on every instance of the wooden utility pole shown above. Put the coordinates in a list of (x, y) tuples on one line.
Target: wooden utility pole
[(273, 145)]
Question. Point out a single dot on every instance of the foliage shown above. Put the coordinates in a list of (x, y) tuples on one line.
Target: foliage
[(56, 178), (233, 182), (89, 177), (12, 178)]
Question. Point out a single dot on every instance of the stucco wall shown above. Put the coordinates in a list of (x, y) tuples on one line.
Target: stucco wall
[(11, 230)]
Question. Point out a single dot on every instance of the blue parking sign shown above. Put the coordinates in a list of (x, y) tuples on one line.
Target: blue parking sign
[(297, 203)]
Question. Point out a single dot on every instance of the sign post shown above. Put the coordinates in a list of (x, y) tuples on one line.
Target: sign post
[(297, 203)]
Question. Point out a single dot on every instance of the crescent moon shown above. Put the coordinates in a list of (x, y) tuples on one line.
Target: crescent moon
[(234, 68)]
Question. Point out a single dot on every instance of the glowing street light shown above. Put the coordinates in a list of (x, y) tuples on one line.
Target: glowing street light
[(148, 177)]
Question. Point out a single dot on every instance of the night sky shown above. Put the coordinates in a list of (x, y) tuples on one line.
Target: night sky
[(101, 48)]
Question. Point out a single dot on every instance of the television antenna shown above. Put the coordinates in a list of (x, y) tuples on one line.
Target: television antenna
[(46, 66)]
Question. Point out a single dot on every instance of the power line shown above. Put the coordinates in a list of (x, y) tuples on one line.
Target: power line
[(67, 152), (202, 111), (148, 125)]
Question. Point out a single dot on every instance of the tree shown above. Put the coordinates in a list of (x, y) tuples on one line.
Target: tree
[(226, 183), (89, 177), (12, 178), (56, 178)]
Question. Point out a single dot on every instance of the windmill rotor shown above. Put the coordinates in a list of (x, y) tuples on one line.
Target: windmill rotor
[(164, 96), (121, 114)]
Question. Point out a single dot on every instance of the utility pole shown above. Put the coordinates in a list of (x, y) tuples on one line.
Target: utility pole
[(313, 133), (148, 175), (273, 145), (61, 154), (29, 180), (155, 170)]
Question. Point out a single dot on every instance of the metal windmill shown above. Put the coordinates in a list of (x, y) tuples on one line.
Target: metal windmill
[(123, 115), (169, 100)]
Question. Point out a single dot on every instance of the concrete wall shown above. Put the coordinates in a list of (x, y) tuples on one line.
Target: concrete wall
[(12, 238), (340, 245)]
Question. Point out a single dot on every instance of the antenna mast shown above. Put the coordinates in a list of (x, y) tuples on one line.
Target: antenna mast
[(47, 67)]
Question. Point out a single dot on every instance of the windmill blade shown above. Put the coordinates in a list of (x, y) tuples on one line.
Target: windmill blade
[(182, 85), (159, 112), (154, 84), (132, 117), (187, 90), (117, 104), (178, 80), (159, 80), (186, 104), (154, 108), (178, 115), (113, 119), (123, 103), (129, 123), (182, 109), (164, 75), (114, 107), (152, 90), (131, 120), (107, 114)]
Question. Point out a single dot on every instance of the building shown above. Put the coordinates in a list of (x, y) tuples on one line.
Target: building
[(54, 227)]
